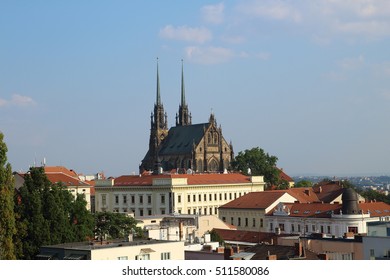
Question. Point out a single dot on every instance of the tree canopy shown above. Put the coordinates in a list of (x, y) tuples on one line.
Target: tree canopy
[(259, 163), (114, 225), (48, 214), (7, 217)]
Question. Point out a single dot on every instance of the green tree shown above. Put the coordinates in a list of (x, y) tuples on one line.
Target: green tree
[(7, 217), (303, 184), (259, 163), (114, 225), (35, 228), (48, 214), (83, 221)]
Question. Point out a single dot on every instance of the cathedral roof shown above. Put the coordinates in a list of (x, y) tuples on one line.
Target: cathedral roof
[(180, 139)]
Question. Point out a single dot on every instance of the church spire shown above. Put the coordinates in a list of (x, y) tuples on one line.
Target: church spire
[(158, 97), (183, 94), (184, 116)]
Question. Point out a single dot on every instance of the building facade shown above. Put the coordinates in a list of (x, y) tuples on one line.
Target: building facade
[(199, 147), (115, 250), (151, 195)]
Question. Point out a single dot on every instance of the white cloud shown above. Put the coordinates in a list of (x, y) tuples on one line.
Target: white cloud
[(213, 13), (208, 55), (21, 100), (185, 33), (17, 100), (323, 19), (271, 9)]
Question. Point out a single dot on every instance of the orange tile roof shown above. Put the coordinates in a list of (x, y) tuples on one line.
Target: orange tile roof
[(303, 195), (328, 191), (192, 179), (319, 210), (65, 179), (60, 169), (254, 200), (376, 209), (284, 176)]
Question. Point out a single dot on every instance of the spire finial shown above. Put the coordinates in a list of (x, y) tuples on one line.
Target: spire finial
[(158, 97)]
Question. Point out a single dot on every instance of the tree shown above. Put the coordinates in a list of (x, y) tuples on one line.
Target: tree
[(7, 217), (114, 225), (48, 214), (259, 163), (303, 184)]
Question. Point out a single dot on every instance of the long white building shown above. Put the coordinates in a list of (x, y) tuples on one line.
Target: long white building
[(150, 195)]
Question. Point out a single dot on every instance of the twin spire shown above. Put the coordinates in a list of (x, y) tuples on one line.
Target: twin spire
[(183, 117)]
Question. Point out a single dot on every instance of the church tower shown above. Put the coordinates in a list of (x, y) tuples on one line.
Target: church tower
[(184, 117), (158, 128)]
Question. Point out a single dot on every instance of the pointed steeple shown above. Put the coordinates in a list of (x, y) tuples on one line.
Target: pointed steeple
[(158, 97), (183, 94), (184, 116)]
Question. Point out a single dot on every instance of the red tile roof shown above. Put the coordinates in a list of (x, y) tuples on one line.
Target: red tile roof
[(65, 179), (244, 236), (60, 169), (254, 200), (320, 210), (192, 179), (376, 209), (284, 176)]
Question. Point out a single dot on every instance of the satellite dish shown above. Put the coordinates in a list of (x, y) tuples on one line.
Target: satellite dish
[(189, 171)]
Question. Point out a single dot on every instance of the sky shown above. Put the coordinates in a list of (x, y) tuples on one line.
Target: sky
[(306, 81)]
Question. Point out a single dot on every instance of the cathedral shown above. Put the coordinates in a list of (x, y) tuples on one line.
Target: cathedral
[(186, 146)]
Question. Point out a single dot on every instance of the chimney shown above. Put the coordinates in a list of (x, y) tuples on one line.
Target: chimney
[(271, 257)]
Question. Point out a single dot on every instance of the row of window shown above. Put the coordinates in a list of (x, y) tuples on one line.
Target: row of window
[(202, 211), (210, 197), (313, 229), (140, 212), (133, 199), (245, 222)]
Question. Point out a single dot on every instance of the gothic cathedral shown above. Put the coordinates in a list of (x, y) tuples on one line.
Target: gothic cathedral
[(199, 147)]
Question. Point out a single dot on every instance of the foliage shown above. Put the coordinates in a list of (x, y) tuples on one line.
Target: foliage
[(7, 217), (259, 163), (114, 225), (215, 237), (303, 184), (46, 215), (371, 194)]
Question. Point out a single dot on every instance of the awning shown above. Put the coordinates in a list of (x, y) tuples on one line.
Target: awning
[(147, 251), (75, 257)]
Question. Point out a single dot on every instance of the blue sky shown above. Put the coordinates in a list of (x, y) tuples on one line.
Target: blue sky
[(307, 81)]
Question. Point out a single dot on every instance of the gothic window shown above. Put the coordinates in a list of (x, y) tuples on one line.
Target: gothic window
[(210, 138), (213, 165), (215, 138)]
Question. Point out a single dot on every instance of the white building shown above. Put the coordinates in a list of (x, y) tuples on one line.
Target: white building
[(376, 245), (115, 250), (330, 219), (151, 195)]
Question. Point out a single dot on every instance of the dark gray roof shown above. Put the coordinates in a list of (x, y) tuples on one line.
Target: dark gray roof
[(180, 139)]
